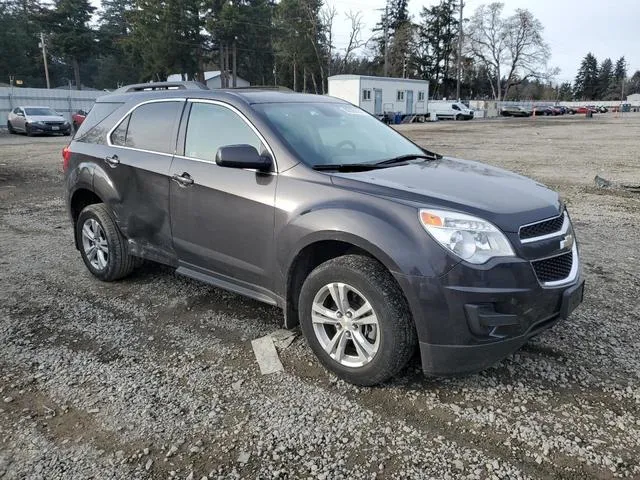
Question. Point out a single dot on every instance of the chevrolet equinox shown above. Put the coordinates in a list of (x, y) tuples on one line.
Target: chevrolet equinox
[(372, 244)]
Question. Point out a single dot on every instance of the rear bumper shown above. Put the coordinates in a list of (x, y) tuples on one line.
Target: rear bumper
[(468, 319)]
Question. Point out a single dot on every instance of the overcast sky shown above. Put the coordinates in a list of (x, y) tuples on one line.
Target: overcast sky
[(607, 28)]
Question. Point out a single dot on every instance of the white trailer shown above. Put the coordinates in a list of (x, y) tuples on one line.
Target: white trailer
[(383, 96)]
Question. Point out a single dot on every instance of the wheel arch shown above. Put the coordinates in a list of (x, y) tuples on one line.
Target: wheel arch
[(318, 249), (80, 199)]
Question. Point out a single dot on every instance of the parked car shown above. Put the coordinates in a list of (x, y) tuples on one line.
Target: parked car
[(373, 244), (77, 119), (602, 109), (34, 120), (451, 110), (515, 111), (570, 110), (543, 110), (584, 110)]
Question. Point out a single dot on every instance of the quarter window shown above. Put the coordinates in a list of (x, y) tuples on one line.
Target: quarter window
[(366, 94), (150, 127), (213, 126), (119, 135), (400, 96)]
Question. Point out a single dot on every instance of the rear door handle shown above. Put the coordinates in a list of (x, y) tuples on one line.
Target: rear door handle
[(183, 180), (113, 161)]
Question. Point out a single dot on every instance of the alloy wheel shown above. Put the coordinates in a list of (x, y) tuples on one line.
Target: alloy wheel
[(94, 243), (345, 325)]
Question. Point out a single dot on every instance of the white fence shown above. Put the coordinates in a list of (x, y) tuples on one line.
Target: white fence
[(66, 102)]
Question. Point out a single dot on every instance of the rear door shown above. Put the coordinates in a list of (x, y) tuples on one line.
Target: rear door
[(222, 223), (140, 151)]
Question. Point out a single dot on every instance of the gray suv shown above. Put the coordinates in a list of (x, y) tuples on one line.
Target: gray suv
[(374, 245)]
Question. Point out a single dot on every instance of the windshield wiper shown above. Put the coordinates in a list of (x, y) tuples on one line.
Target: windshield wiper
[(411, 156)]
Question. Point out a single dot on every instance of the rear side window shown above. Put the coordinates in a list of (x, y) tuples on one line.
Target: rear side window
[(213, 126), (96, 115), (151, 127)]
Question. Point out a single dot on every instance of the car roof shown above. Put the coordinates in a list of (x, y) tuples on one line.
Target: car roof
[(34, 106), (248, 96)]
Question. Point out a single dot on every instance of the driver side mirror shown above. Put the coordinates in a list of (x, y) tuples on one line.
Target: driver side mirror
[(242, 156)]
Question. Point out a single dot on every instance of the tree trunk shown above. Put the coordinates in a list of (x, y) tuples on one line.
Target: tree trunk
[(315, 85), (295, 77), (304, 79), (76, 73)]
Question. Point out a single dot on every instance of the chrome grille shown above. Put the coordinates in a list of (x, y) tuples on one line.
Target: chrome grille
[(546, 227)]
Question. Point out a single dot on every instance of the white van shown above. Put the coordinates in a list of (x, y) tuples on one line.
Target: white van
[(452, 110)]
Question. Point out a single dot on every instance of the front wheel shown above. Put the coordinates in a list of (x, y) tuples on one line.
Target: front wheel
[(102, 246), (28, 130), (10, 127), (356, 320)]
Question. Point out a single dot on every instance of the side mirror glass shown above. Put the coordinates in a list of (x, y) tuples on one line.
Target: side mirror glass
[(242, 156)]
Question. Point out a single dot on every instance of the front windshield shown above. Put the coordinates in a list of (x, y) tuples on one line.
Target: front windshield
[(335, 133), (37, 111)]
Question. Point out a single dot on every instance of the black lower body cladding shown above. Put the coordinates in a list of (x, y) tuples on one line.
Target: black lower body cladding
[(471, 318)]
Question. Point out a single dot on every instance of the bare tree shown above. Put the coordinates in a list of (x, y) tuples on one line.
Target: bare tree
[(355, 41), (511, 49), (327, 16)]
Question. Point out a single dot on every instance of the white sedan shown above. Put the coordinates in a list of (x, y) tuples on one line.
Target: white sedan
[(33, 120)]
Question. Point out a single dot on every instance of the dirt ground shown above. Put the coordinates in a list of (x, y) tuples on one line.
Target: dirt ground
[(154, 376)]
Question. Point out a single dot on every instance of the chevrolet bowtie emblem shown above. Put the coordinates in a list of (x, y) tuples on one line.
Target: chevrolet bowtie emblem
[(567, 242)]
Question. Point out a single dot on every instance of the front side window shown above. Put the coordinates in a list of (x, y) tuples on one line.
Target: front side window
[(456, 107), (213, 126), (332, 133), (151, 127), (400, 96)]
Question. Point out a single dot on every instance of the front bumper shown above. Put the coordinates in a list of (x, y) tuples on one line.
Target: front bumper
[(36, 128), (471, 318)]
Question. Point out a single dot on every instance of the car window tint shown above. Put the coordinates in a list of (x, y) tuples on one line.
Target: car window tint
[(151, 127), (213, 126), (119, 135), (98, 112)]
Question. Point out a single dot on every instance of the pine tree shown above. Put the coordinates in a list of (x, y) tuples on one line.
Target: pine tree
[(586, 82), (565, 92), (605, 79), (72, 37), (397, 22)]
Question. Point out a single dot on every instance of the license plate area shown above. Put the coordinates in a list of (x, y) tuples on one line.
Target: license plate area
[(571, 298), (55, 128)]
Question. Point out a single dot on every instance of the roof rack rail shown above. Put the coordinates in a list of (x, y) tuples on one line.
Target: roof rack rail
[(155, 86), (261, 87)]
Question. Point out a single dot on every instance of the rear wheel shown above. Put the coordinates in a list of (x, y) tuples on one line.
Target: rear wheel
[(356, 320), (102, 246)]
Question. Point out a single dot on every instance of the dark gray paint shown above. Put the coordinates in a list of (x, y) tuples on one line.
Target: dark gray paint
[(242, 229)]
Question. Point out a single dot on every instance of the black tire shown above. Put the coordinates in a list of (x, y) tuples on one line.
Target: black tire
[(28, 131), (10, 127), (119, 262), (398, 338)]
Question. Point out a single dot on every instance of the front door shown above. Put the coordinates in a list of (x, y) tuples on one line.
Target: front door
[(377, 103), (222, 223), (409, 101)]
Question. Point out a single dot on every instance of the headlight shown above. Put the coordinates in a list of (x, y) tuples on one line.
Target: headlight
[(471, 238)]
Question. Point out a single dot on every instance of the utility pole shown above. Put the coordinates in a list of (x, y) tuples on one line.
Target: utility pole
[(386, 40), (44, 58), (221, 66), (235, 74), (459, 52)]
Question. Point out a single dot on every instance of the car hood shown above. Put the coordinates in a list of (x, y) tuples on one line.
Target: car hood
[(45, 118), (504, 198)]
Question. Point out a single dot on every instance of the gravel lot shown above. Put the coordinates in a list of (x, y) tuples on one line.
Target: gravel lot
[(154, 376)]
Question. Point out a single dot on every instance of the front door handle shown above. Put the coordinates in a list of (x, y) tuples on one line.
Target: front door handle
[(113, 161), (183, 180)]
